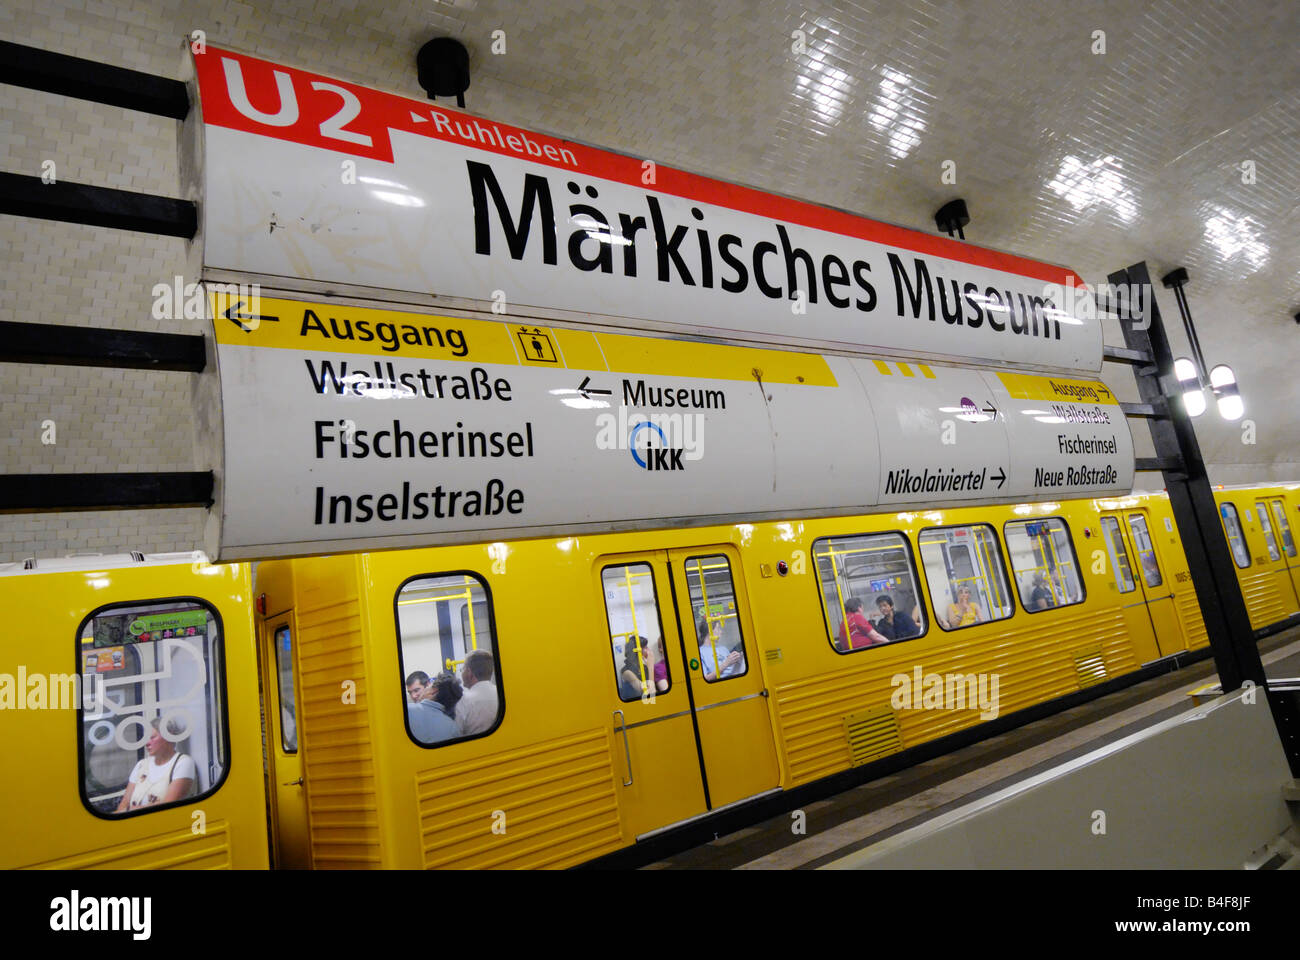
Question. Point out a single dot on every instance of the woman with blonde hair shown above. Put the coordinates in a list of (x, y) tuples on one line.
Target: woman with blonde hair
[(164, 776)]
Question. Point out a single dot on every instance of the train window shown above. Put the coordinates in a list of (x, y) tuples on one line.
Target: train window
[(1232, 527), (1145, 549), (868, 576), (1284, 528), (968, 584), (717, 622), (152, 716), (635, 632), (1118, 555), (448, 658), (1269, 539), (1042, 557), (284, 670)]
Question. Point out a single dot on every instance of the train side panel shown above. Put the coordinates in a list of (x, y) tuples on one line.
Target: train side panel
[(1262, 571), (61, 808)]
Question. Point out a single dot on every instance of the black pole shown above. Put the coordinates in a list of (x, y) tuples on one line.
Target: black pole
[(26, 196), (38, 492), (100, 347), (37, 69), (1195, 510)]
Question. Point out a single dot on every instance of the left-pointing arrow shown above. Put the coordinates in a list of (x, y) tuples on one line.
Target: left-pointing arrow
[(588, 391), (234, 316)]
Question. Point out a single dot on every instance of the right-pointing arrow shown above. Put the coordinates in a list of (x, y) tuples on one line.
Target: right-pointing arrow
[(1001, 477)]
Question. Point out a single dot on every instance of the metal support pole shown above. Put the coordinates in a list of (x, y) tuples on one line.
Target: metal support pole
[(38, 69), (39, 492), (1197, 514), (100, 347)]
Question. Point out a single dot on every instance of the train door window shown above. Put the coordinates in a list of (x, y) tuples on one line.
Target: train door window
[(284, 670), (1146, 551), (1271, 541), (1118, 555), (635, 631), (866, 577), (717, 622), (1283, 527), (968, 583), (1044, 563), (448, 658), (1232, 527), (152, 711)]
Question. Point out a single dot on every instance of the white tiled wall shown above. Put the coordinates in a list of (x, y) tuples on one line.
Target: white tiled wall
[(886, 91)]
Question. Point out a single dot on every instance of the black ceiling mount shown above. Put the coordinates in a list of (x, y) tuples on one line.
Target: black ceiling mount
[(952, 216), (442, 67)]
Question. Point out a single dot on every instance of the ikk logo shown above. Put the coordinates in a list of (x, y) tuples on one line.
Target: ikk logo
[(648, 457)]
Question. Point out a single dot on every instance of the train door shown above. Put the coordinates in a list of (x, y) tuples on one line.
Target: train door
[(1281, 549), (689, 710), (1156, 587), (730, 698), (286, 791), (661, 769), (1282, 524), (1137, 618)]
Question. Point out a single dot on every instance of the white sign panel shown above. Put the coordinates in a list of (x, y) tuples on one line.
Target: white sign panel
[(354, 428), (313, 181)]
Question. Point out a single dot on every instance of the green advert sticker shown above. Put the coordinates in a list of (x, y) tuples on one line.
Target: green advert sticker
[(177, 620)]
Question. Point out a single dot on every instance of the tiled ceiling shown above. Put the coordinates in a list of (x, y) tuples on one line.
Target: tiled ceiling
[(1063, 152)]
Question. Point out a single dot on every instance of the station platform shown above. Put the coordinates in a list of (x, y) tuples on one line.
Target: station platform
[(839, 829)]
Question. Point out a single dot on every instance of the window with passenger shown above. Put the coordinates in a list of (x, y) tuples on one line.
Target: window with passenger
[(968, 583), (717, 622), (1044, 563), (869, 590), (448, 655), (635, 631), (152, 712)]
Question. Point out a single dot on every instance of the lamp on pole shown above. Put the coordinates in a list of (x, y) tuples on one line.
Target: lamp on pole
[(1191, 373)]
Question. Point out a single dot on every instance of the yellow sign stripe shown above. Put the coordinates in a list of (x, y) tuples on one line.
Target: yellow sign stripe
[(1026, 386), (338, 328), (681, 358), (388, 334)]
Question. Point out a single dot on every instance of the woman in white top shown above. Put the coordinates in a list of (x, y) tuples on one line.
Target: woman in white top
[(165, 776)]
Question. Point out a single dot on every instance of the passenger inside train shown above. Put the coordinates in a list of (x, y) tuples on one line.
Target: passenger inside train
[(445, 626), (152, 706)]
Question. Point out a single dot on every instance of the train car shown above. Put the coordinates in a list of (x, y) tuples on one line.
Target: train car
[(642, 680), (543, 702), (130, 729), (1257, 524)]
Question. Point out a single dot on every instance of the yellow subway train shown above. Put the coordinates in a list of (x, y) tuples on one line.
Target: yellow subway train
[(546, 702)]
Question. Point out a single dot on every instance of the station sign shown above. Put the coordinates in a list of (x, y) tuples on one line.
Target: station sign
[(317, 185), (340, 428)]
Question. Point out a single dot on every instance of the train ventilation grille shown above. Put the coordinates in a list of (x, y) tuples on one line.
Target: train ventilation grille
[(872, 734), (1089, 666), (773, 656)]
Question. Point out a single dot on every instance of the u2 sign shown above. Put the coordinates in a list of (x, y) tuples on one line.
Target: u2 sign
[(312, 183)]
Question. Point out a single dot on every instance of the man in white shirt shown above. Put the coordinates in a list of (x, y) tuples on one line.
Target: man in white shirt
[(477, 710)]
